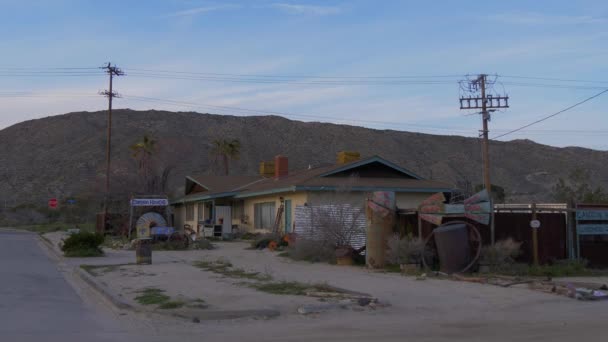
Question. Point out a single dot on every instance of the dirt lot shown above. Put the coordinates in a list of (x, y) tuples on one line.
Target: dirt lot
[(430, 309)]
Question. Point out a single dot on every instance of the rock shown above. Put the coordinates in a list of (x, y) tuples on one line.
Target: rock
[(309, 309), (364, 301), (196, 320), (421, 277)]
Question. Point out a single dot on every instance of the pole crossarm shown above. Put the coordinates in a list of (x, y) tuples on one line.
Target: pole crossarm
[(492, 102)]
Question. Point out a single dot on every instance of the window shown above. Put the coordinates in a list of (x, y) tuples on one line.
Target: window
[(264, 215), (189, 212)]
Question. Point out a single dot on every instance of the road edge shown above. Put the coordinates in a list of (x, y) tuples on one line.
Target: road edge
[(85, 277), (103, 290)]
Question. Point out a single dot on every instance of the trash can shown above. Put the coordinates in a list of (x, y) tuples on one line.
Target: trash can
[(143, 251), (452, 247)]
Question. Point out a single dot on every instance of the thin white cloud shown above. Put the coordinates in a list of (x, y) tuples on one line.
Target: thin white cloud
[(200, 10), (307, 9), (533, 18)]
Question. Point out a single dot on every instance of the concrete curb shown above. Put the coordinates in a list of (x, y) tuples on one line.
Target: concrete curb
[(103, 290), (49, 246), (120, 303), (87, 278)]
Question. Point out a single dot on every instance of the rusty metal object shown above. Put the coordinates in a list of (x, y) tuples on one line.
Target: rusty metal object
[(474, 237)]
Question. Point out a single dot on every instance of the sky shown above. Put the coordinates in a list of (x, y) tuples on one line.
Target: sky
[(379, 64)]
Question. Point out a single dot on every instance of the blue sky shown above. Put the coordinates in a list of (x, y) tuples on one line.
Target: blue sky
[(334, 40)]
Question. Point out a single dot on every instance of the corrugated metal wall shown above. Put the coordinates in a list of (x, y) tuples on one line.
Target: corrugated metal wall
[(311, 222)]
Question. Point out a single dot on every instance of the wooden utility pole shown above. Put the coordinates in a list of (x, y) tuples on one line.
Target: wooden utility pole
[(534, 236), (110, 94), (486, 103), (486, 148)]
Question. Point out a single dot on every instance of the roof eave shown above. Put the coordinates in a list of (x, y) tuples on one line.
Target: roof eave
[(371, 160), (373, 188), (266, 192), (205, 197)]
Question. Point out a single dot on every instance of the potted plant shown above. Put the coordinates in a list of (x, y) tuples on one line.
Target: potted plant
[(405, 252)]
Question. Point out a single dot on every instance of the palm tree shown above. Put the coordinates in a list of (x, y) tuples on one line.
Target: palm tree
[(142, 152), (226, 149)]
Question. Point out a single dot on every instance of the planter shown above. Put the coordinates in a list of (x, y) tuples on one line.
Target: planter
[(344, 261), (408, 268), (344, 255)]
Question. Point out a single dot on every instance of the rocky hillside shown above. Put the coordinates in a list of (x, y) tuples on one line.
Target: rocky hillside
[(64, 155)]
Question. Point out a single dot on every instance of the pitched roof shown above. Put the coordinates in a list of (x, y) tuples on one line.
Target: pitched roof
[(322, 178)]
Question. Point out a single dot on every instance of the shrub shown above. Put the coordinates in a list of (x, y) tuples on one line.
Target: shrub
[(248, 236), (83, 244), (502, 253), (313, 251), (404, 250), (561, 268), (202, 244)]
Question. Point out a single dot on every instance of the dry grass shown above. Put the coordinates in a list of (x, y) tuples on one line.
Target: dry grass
[(226, 269)]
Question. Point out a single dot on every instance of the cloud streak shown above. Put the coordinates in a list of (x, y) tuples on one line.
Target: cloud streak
[(307, 9), (201, 10), (533, 18)]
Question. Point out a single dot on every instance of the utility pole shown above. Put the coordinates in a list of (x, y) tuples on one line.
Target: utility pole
[(110, 94), (487, 103)]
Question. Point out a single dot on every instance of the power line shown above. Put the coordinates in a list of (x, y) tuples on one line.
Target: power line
[(553, 79), (288, 81), (552, 115), (309, 116), (294, 76)]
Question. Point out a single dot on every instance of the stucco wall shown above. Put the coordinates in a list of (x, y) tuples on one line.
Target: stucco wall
[(297, 198)]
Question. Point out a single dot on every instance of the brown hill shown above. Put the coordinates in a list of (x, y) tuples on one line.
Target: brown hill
[(63, 155)]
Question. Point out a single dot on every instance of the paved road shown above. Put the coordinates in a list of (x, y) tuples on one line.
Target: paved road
[(38, 304)]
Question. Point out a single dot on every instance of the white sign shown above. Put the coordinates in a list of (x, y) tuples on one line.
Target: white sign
[(149, 202), (535, 224)]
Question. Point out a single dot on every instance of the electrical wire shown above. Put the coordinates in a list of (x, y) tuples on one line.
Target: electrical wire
[(256, 111), (552, 115), (292, 76)]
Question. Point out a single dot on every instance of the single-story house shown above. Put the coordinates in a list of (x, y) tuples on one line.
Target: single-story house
[(254, 201)]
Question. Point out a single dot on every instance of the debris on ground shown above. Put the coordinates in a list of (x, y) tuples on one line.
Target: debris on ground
[(580, 291), (359, 304)]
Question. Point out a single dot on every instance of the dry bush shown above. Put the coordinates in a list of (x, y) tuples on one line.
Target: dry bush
[(503, 253), (313, 251), (404, 250)]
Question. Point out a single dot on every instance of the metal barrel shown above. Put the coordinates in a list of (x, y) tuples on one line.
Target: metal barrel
[(143, 251), (452, 247)]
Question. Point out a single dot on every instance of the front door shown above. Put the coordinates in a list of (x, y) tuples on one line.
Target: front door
[(287, 216)]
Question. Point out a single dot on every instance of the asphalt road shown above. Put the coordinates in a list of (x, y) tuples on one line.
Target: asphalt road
[(38, 304)]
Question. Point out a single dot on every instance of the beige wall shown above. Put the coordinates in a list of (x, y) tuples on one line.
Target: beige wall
[(404, 201), (297, 198)]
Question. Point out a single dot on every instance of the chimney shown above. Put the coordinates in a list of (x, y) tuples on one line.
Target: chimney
[(345, 157), (281, 166), (267, 169)]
